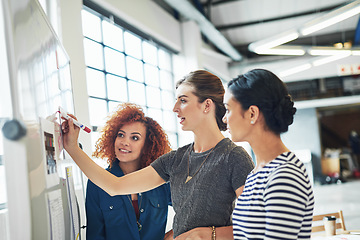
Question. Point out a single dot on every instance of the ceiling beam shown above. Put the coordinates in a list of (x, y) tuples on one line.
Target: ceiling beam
[(221, 2), (244, 24), (186, 9)]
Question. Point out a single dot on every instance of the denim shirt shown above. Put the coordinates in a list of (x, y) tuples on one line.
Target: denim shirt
[(114, 217)]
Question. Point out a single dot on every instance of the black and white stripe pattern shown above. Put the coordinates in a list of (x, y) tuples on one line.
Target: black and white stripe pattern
[(277, 202)]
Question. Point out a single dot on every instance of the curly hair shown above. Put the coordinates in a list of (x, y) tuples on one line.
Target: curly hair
[(156, 143)]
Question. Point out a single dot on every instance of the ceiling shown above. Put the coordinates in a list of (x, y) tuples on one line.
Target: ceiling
[(243, 22)]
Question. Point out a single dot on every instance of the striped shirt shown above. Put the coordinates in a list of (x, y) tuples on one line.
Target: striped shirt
[(277, 202)]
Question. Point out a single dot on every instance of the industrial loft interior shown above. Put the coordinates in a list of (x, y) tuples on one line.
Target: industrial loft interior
[(88, 56)]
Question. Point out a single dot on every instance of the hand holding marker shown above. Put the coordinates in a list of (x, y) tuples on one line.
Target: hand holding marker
[(65, 115)]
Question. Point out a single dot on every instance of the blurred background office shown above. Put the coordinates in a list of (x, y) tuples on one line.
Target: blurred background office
[(136, 50)]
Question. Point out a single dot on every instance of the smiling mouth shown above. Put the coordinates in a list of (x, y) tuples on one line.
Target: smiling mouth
[(124, 151)]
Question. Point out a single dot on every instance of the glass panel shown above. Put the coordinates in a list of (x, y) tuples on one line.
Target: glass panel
[(137, 93), (151, 75), (134, 69), (156, 114), (91, 25), (132, 45), (173, 140), (97, 111), (166, 81), (3, 196), (117, 89), (114, 61), (95, 83), (93, 54), (94, 137), (150, 53), (153, 97), (113, 106), (167, 100), (164, 60), (169, 121), (113, 36)]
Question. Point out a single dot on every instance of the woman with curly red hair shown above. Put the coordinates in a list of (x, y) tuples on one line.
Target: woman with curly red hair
[(130, 141)]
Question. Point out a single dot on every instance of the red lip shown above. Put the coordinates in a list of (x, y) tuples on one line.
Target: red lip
[(182, 120)]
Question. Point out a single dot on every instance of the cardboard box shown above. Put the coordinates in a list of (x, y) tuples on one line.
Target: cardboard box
[(330, 166)]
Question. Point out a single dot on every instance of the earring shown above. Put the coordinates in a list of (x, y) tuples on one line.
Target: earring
[(252, 122)]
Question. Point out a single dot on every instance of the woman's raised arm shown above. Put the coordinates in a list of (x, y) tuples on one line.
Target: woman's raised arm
[(139, 181)]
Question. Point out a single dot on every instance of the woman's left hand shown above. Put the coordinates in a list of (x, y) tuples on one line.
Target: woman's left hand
[(196, 233)]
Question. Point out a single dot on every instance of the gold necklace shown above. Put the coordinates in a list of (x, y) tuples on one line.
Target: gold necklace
[(190, 177)]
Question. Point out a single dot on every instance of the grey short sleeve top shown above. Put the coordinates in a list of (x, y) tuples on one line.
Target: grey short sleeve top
[(207, 199)]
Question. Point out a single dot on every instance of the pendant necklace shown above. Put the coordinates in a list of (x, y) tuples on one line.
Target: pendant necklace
[(190, 177), (137, 220)]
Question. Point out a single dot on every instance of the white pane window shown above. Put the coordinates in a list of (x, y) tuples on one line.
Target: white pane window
[(150, 53), (94, 137), (132, 45), (156, 114), (91, 25), (169, 121), (134, 69), (113, 106), (93, 54), (166, 81), (173, 140), (153, 97), (117, 88), (164, 60), (113, 36), (137, 93), (95, 83), (137, 71), (151, 75), (167, 100), (97, 111), (114, 62)]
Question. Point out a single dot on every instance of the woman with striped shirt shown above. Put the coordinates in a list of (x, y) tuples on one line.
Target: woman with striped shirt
[(277, 201)]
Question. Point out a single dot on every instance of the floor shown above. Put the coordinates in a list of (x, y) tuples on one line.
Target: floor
[(344, 196)]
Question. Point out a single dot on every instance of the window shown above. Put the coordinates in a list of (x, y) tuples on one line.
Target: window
[(123, 66)]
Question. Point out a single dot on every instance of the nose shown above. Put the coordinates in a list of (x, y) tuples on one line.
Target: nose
[(124, 142), (175, 108)]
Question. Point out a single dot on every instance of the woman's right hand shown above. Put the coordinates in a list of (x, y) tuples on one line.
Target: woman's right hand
[(70, 134)]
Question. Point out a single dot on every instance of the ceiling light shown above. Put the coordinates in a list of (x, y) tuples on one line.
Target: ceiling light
[(325, 60), (207, 28), (294, 70), (331, 18), (296, 51), (338, 45), (323, 52), (275, 41)]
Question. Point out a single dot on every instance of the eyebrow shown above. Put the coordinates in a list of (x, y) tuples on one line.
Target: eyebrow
[(130, 133), (182, 96)]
